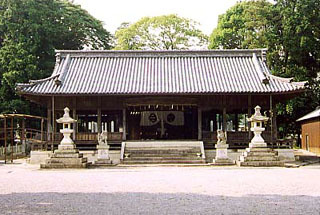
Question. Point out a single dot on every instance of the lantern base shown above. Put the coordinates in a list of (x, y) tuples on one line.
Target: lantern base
[(257, 157), (66, 156)]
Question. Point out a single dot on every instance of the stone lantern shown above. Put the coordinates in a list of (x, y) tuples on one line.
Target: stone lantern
[(258, 154), (257, 121), (67, 156), (66, 143)]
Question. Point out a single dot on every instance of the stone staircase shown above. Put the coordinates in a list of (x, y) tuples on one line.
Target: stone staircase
[(257, 157), (163, 152)]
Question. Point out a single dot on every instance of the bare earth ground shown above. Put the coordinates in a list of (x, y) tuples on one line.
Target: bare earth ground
[(24, 189)]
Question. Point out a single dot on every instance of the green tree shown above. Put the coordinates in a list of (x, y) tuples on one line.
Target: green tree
[(168, 32), (30, 31), (296, 53), (243, 26), (290, 29)]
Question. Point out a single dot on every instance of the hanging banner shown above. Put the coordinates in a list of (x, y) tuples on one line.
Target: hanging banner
[(150, 118), (174, 117)]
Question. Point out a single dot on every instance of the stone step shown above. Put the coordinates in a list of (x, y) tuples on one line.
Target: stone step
[(263, 154), (303, 158), (162, 151), (66, 160), (260, 163), (63, 165), (66, 155), (163, 162), (259, 158), (259, 150), (163, 158), (163, 154)]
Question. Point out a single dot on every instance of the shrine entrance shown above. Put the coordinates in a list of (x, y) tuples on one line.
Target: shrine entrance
[(162, 122)]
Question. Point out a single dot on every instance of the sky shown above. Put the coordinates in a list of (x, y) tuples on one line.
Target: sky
[(115, 12)]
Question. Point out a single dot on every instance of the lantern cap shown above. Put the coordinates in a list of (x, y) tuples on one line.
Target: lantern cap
[(257, 117), (66, 117)]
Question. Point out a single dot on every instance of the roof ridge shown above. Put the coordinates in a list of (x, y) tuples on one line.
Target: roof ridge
[(164, 53)]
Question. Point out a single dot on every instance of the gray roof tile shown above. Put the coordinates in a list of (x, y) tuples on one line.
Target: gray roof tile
[(160, 72)]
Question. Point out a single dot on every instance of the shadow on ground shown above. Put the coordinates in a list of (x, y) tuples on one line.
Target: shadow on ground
[(150, 203)]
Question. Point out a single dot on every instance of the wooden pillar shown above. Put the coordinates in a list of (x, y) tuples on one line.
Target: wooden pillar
[(99, 115), (271, 124), (12, 139), (5, 139), (224, 118), (23, 133), (99, 120), (42, 129), (236, 121), (249, 115), (199, 124), (124, 123), (274, 122), (224, 114), (74, 116), (49, 126), (53, 123)]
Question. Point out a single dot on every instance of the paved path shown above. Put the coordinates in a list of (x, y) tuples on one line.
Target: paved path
[(24, 189)]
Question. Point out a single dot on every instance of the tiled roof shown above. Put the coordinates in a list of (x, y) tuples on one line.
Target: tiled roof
[(160, 72)]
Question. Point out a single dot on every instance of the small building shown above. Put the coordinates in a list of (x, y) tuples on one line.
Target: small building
[(310, 131), (161, 95)]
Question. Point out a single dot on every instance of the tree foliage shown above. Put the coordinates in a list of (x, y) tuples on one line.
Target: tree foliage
[(290, 29), (243, 26), (168, 32), (30, 31)]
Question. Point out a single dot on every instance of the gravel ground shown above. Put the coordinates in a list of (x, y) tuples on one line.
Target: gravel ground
[(24, 189)]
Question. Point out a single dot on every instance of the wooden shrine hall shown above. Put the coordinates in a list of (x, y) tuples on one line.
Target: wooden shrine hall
[(160, 95)]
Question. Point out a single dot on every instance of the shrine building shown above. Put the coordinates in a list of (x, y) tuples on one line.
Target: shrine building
[(162, 96)]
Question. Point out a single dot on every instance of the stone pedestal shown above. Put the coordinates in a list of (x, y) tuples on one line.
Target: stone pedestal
[(66, 156), (222, 150), (103, 157), (222, 155)]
